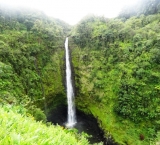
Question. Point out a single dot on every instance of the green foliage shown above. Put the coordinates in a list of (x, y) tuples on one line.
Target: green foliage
[(39, 115), (116, 67), (19, 129), (117, 70), (31, 54)]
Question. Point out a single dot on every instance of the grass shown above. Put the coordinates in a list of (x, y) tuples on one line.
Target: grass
[(18, 129)]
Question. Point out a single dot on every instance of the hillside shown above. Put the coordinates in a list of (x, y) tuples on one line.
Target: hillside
[(31, 52), (119, 62), (116, 66)]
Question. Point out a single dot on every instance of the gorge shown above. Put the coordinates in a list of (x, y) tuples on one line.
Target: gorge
[(116, 71), (83, 122)]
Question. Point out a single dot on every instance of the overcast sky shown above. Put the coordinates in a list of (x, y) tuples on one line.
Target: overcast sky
[(72, 11)]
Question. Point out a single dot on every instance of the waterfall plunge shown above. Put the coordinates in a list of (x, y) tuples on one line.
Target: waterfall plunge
[(70, 94)]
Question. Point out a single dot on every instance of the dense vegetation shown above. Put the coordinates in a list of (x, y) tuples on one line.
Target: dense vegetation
[(31, 78), (116, 66), (13, 119), (31, 53), (119, 62)]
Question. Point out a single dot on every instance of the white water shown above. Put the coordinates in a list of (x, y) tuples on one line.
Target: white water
[(70, 94)]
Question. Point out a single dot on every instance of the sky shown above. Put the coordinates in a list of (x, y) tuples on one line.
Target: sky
[(72, 11)]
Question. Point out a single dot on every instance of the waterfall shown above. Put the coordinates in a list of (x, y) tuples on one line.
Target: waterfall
[(70, 94)]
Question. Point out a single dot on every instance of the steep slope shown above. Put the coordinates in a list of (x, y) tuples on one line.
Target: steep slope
[(31, 58), (31, 75), (117, 75), (116, 66)]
